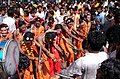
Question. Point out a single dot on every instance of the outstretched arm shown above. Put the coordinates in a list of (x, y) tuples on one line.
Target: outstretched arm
[(39, 42), (69, 33)]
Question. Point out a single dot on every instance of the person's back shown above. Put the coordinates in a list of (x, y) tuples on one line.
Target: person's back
[(110, 69), (91, 63), (86, 67)]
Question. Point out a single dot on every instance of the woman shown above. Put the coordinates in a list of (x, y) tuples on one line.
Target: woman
[(30, 50), (55, 64), (65, 44)]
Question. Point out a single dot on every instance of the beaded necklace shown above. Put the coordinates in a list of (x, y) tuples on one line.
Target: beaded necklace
[(28, 50)]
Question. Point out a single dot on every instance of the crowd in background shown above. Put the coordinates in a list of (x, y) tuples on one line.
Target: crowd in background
[(63, 39)]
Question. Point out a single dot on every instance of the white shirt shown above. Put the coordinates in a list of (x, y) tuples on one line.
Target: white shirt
[(11, 23), (60, 19), (87, 66), (40, 15)]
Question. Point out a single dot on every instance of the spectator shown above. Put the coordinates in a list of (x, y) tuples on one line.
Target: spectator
[(86, 67), (10, 21)]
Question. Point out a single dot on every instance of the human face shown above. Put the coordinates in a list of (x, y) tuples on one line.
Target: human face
[(59, 31), (70, 25), (4, 31), (88, 18), (23, 28), (29, 41)]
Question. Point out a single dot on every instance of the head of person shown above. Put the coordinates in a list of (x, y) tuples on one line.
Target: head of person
[(55, 7), (87, 17), (70, 22), (33, 12), (59, 28), (3, 10), (113, 37), (28, 38), (99, 9), (65, 18), (106, 8), (40, 8), (26, 12), (117, 16), (86, 11), (10, 12), (4, 30), (22, 26), (97, 21), (51, 21), (17, 14), (96, 40), (38, 21), (71, 10), (62, 11), (51, 13), (109, 69), (50, 37)]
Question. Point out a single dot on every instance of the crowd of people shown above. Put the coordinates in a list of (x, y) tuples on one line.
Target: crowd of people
[(60, 40)]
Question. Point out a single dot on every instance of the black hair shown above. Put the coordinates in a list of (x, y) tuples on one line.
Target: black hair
[(117, 16), (20, 23), (51, 12), (24, 62), (51, 19), (17, 13), (58, 26), (28, 35), (3, 25), (26, 11), (33, 10), (10, 12), (64, 18), (113, 34), (69, 20), (109, 69), (96, 40), (49, 37)]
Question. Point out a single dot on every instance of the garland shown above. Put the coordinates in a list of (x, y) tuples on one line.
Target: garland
[(29, 51)]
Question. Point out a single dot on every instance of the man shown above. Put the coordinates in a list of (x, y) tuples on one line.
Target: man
[(10, 21), (110, 68), (2, 13), (4, 34), (86, 67), (9, 60)]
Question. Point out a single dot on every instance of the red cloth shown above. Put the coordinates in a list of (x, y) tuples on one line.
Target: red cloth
[(55, 66)]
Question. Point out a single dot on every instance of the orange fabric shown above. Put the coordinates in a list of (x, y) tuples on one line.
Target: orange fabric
[(26, 19), (43, 68), (68, 50), (38, 31), (29, 71), (27, 75), (84, 30), (76, 20)]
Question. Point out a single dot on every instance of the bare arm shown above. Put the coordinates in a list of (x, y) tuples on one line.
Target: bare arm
[(73, 36), (68, 41), (40, 43)]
